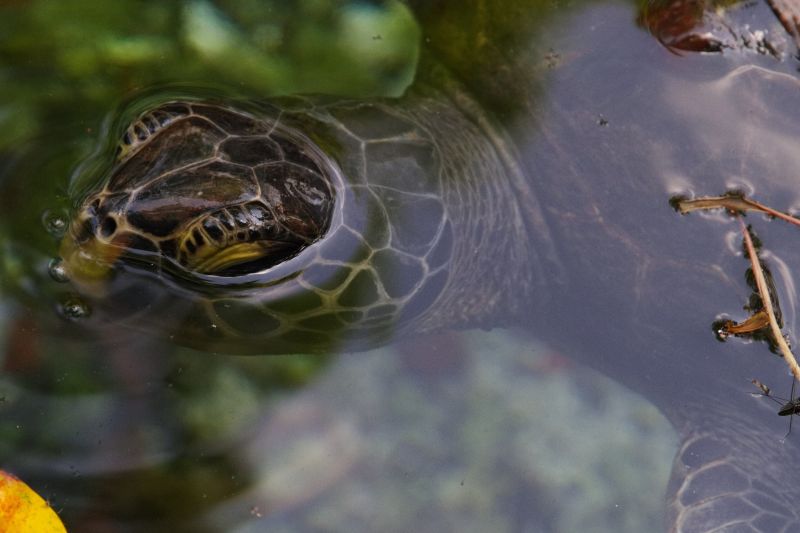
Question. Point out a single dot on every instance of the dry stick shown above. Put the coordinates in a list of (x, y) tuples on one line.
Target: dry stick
[(733, 203), (761, 284)]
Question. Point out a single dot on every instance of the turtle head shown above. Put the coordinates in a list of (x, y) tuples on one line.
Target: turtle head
[(187, 193), (262, 230)]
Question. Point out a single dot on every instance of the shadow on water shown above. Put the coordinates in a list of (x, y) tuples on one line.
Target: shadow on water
[(377, 416)]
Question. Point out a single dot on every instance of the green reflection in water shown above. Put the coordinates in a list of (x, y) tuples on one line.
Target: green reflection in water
[(67, 64), (73, 407)]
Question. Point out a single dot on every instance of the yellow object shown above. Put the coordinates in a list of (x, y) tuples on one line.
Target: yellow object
[(24, 511), (88, 263)]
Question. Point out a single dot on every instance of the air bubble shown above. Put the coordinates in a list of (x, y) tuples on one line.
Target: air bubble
[(57, 270), (54, 222), (74, 308)]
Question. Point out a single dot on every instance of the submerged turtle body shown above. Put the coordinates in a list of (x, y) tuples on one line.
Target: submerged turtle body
[(534, 194)]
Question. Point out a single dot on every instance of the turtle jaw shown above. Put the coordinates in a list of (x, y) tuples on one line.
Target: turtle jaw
[(242, 239), (89, 263)]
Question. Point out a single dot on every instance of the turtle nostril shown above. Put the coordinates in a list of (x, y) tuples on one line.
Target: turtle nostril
[(108, 227)]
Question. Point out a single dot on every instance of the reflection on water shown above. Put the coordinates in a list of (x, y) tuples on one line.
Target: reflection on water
[(125, 430), (485, 432)]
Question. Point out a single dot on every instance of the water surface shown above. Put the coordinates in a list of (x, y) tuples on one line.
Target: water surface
[(466, 431)]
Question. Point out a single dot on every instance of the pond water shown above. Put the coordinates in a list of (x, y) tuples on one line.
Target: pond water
[(476, 417), (496, 438)]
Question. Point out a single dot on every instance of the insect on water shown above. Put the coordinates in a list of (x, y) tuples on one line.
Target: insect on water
[(788, 407)]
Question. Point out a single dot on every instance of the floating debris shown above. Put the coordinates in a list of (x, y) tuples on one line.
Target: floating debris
[(764, 299), (735, 202)]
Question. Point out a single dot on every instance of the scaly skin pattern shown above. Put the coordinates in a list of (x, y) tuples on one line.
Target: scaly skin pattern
[(411, 180), (732, 478), (609, 124)]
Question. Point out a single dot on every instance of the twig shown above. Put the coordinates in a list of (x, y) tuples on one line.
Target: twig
[(735, 203), (763, 292)]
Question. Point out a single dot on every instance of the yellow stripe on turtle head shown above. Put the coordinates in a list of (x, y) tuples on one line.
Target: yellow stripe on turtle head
[(208, 259)]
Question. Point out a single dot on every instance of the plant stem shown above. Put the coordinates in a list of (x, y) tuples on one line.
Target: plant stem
[(763, 292), (736, 204)]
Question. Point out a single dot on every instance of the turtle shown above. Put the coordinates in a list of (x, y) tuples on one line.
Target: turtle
[(522, 181)]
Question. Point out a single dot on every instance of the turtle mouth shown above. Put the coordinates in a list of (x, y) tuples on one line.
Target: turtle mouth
[(243, 239)]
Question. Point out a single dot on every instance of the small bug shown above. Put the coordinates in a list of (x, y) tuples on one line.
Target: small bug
[(788, 407)]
